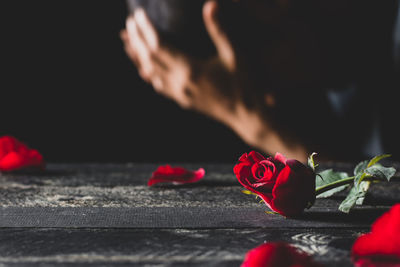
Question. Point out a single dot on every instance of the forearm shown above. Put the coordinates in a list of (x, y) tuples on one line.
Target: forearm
[(258, 132)]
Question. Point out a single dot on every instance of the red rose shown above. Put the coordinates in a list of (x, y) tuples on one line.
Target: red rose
[(286, 186), (277, 254), (176, 175), (380, 247), (15, 155)]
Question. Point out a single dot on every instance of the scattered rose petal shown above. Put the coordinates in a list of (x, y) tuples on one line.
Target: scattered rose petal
[(15, 155), (286, 185), (277, 254), (176, 175), (380, 247)]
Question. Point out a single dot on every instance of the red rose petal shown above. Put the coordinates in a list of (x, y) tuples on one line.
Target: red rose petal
[(15, 155), (242, 170), (279, 157), (255, 156), (177, 175), (294, 189), (243, 157), (277, 254), (380, 247)]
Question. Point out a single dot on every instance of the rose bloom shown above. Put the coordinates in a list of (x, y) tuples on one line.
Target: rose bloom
[(15, 155), (380, 247), (286, 185), (277, 254)]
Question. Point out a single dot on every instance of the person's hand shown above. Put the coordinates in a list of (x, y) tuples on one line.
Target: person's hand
[(204, 85), (210, 86), (190, 82)]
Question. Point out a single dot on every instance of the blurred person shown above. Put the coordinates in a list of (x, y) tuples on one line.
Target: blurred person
[(286, 76)]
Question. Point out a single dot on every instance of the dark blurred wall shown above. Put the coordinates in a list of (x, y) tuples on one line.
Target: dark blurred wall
[(68, 89)]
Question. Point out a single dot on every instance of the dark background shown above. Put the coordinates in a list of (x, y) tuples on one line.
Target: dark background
[(69, 90)]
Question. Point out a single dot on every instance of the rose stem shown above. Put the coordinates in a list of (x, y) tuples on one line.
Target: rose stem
[(345, 181)]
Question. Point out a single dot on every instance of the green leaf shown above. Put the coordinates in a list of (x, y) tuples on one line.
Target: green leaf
[(377, 171), (350, 201), (332, 191), (363, 187), (327, 177), (355, 196), (360, 167), (311, 162), (377, 158), (381, 172), (365, 169)]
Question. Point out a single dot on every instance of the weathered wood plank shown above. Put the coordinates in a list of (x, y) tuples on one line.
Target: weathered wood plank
[(166, 247), (116, 195), (182, 217), (105, 215)]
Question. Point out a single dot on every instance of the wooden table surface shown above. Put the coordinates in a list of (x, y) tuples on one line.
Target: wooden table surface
[(106, 215)]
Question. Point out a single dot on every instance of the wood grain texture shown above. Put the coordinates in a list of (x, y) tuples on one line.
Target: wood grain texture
[(105, 215)]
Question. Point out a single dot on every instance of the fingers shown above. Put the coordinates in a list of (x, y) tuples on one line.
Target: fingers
[(150, 37), (146, 59), (140, 48), (147, 30), (218, 36), (128, 47), (167, 71)]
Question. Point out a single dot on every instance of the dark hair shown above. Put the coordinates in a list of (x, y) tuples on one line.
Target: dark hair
[(179, 23)]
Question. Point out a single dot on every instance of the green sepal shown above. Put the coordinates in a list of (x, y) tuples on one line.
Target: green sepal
[(311, 162)]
